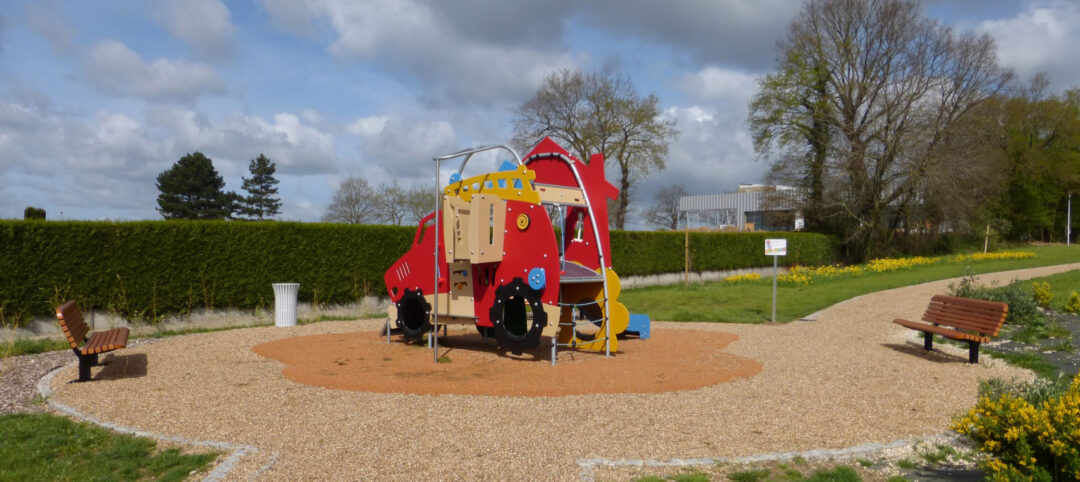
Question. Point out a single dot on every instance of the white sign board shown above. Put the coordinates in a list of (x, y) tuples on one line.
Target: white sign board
[(775, 247)]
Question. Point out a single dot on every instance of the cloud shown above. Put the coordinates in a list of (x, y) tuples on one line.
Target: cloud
[(403, 148), (1042, 38), (116, 70), (205, 25), (456, 53), (295, 146), (292, 16), (715, 83), (48, 19)]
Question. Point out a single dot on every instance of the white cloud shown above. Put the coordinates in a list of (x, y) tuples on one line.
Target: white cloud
[(205, 25), (367, 126), (115, 69), (404, 147), (715, 83), (292, 16), (428, 43), (1042, 38), (296, 147), (48, 19)]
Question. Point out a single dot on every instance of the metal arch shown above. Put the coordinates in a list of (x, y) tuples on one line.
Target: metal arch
[(596, 234), (468, 153), (433, 340)]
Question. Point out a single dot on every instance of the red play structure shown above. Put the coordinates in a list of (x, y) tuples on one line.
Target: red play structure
[(499, 264)]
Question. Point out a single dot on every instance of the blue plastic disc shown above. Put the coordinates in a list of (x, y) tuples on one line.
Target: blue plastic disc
[(537, 278)]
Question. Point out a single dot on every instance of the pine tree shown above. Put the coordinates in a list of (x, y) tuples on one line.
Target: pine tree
[(261, 202), (193, 189)]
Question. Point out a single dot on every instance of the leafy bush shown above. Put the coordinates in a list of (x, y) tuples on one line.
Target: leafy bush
[(646, 252), (1023, 309), (1042, 293), (33, 213), (1073, 305), (1026, 441)]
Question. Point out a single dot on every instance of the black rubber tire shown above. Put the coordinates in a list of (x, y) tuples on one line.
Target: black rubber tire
[(413, 315), (512, 298)]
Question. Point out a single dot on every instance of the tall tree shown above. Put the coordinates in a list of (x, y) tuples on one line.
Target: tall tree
[(1036, 139), (862, 115), (664, 213), (261, 202), (193, 189), (599, 113), (354, 202), (32, 212)]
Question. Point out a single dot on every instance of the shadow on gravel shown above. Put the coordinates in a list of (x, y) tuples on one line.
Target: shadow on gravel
[(123, 366), (933, 355)]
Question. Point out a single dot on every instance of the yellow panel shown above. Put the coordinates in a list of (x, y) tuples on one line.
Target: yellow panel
[(500, 183), (619, 316)]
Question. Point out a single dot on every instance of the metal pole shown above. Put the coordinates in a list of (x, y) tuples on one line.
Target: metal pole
[(1068, 223), (774, 276), (433, 339)]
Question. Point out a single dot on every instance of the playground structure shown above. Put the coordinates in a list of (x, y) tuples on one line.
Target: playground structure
[(490, 256)]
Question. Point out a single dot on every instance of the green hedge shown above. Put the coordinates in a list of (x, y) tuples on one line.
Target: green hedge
[(147, 269), (644, 253)]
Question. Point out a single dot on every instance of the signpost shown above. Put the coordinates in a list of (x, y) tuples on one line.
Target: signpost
[(775, 248)]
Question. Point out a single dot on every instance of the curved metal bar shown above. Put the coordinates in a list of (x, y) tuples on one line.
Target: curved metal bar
[(469, 152), (596, 234)]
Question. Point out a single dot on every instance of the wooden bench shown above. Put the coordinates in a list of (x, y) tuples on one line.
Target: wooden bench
[(973, 321), (76, 330)]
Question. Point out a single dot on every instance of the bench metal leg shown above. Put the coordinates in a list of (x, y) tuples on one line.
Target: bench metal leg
[(928, 340), (973, 351), (85, 362)]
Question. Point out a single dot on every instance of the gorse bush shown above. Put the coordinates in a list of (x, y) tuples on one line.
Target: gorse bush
[(1042, 293), (1073, 305), (1023, 309), (1025, 440)]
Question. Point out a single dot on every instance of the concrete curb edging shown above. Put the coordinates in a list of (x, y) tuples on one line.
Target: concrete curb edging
[(587, 465), (220, 471)]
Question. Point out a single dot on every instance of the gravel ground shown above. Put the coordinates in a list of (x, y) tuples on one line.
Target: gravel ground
[(851, 377)]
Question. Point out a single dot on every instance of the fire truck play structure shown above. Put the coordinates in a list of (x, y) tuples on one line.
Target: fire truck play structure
[(500, 265)]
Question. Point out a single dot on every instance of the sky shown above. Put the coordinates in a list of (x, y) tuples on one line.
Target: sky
[(98, 98)]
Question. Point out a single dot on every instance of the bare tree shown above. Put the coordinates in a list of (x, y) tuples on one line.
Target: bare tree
[(599, 113), (354, 202), (390, 199), (664, 213), (864, 111), (419, 202)]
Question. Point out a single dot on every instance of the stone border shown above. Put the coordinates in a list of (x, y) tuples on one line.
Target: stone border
[(872, 449), (220, 471)]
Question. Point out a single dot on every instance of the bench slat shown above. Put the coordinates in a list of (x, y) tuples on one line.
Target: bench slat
[(982, 326), (940, 330), (959, 311), (71, 322)]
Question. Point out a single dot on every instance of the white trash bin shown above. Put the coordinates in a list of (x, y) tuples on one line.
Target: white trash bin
[(285, 303)]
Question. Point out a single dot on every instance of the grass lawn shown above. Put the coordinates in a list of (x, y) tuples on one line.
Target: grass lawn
[(751, 301), (48, 447), (1061, 285)]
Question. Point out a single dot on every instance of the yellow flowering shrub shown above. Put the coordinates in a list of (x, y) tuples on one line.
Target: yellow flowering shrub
[(737, 278), (960, 258), (882, 265), (1073, 305), (1024, 441), (1042, 293)]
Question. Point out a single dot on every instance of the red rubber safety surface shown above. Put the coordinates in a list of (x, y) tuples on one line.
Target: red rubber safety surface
[(671, 360)]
